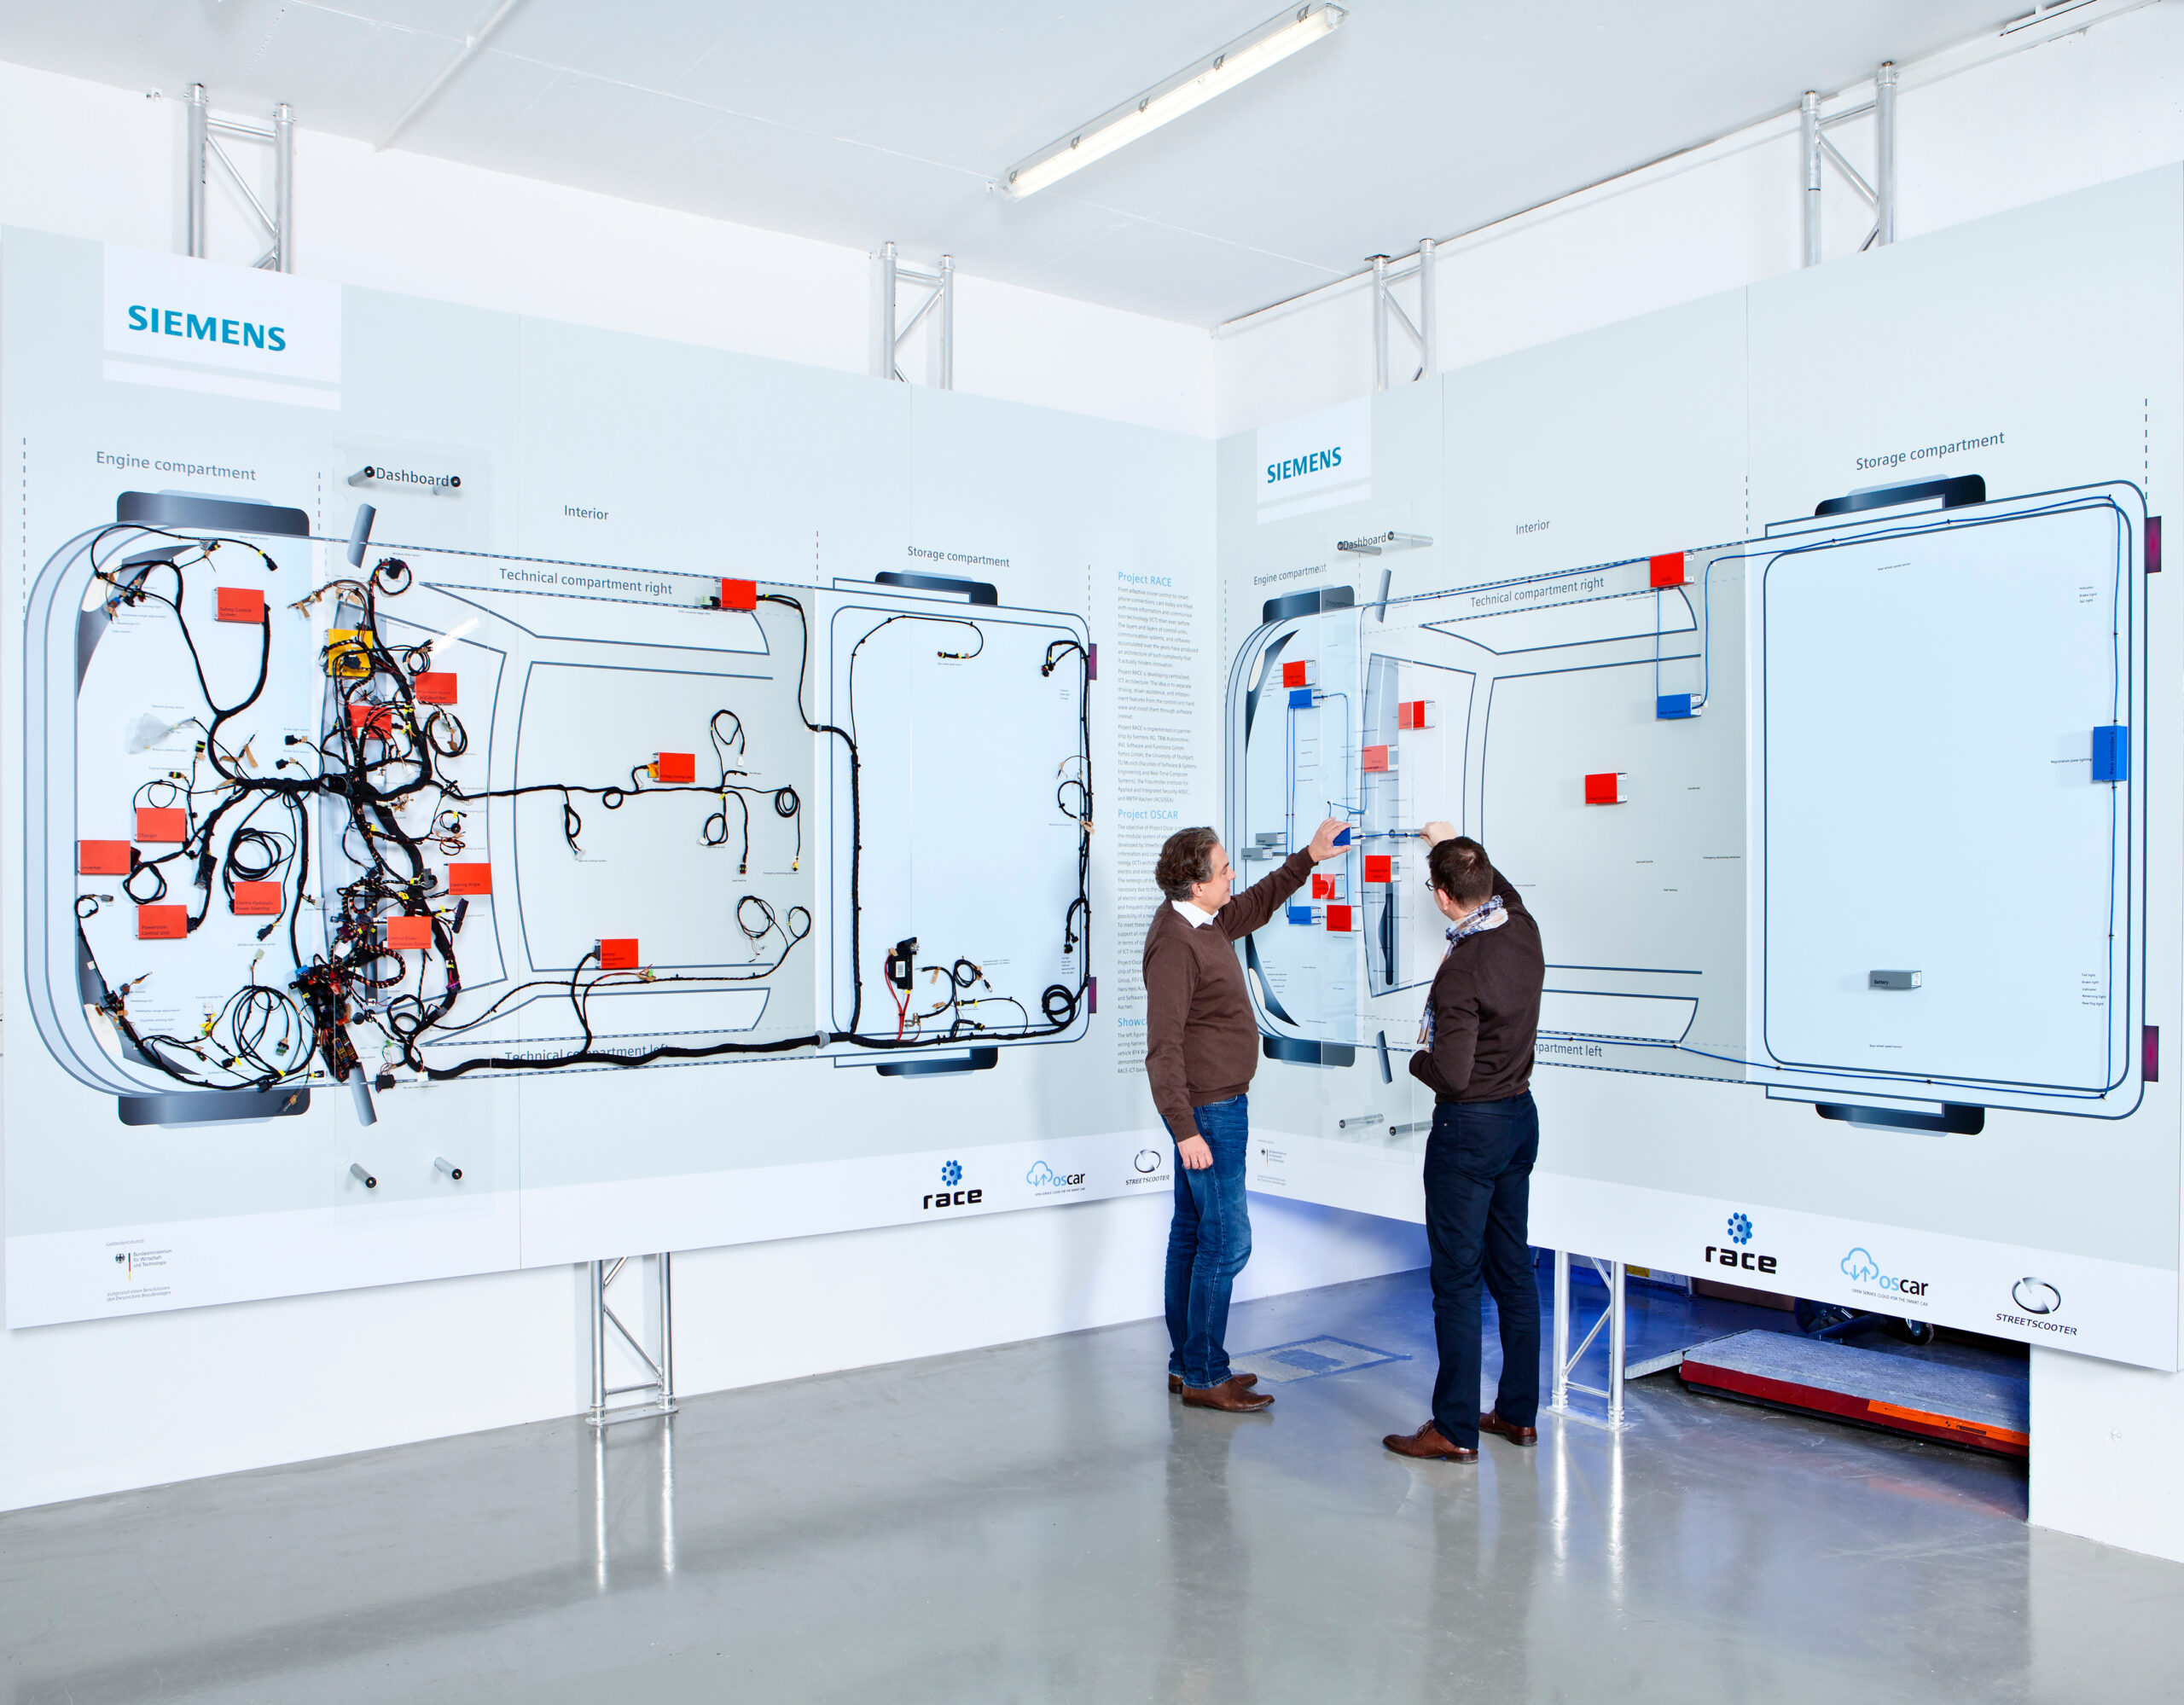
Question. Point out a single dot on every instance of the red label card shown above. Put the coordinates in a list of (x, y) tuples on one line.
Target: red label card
[(102, 858), (238, 604), (470, 878), (162, 922)]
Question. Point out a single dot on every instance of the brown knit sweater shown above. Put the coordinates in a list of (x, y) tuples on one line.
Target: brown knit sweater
[(1201, 1045), (1485, 1001)]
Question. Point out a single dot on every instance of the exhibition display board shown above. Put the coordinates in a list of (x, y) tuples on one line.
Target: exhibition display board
[(1801, 654), (493, 793), (490, 792)]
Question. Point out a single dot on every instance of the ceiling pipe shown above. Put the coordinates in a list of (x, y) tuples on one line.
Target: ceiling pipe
[(471, 44), (2045, 23)]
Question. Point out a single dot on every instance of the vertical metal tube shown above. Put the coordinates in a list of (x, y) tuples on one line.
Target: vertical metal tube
[(599, 1507), (883, 331), (1808, 137), (1885, 170), (1561, 1398), (947, 322), (598, 1343), (193, 169), (1428, 317), (284, 189), (1615, 1341), (666, 1337), (667, 1499), (1379, 323)]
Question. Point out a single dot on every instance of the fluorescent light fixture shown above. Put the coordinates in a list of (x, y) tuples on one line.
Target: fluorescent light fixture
[(1274, 41)]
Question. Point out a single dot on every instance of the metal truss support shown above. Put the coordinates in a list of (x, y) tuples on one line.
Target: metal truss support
[(1612, 1274), (1424, 333), (202, 147), (889, 333), (1820, 150), (659, 1362)]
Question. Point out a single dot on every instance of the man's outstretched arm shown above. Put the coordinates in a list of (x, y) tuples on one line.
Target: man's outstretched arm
[(1247, 911)]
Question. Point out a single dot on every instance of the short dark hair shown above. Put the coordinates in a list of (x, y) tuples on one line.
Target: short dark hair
[(1462, 870), (1187, 858)]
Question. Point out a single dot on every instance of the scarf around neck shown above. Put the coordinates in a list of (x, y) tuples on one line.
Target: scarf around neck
[(1490, 916)]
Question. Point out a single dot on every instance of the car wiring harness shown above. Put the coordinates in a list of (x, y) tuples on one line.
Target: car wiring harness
[(378, 772)]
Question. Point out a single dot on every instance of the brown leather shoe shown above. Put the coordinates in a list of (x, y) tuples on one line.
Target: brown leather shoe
[(1428, 1443), (1491, 1422), (1176, 1381), (1231, 1394)]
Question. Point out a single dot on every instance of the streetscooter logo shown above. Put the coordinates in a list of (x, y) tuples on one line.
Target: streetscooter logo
[(2039, 1300), (2035, 1296), (1146, 1167)]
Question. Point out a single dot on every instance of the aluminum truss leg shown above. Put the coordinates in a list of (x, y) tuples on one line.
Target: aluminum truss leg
[(1566, 1360), (193, 166), (1884, 167), (890, 333), (1808, 139), (1386, 275), (659, 1398), (201, 147)]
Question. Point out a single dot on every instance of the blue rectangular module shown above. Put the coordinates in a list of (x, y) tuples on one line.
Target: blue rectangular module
[(2112, 754), (1300, 914), (1673, 706), (1300, 697)]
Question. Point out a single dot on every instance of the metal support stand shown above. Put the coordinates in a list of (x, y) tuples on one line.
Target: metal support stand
[(888, 338), (1884, 156), (1425, 332), (1819, 148), (201, 146), (660, 1363), (1612, 1276)]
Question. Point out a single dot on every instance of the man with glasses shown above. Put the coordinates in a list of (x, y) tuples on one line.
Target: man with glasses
[(1475, 1054)]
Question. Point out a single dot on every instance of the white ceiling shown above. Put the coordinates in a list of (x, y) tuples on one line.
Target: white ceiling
[(854, 121)]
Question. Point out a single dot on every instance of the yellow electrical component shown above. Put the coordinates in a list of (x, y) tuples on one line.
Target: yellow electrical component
[(348, 654)]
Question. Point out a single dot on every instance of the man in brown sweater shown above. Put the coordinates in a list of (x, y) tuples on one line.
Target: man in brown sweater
[(1475, 1054), (1201, 1048)]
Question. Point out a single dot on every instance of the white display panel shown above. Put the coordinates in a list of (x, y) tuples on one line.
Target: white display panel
[(1811, 719), (659, 594), (1998, 871)]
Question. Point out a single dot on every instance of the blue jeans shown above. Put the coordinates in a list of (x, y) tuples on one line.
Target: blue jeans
[(1479, 1177), (1209, 1241)]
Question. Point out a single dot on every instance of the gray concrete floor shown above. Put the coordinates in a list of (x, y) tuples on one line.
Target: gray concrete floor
[(1042, 1522)]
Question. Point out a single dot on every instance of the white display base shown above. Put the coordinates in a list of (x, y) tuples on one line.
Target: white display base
[(2096, 1307)]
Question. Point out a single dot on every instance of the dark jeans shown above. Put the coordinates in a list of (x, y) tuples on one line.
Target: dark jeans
[(1209, 1241), (1478, 1176)]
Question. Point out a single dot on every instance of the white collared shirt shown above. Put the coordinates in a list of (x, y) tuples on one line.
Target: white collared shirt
[(1191, 914)]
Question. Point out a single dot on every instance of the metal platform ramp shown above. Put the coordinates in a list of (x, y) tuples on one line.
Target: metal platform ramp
[(1899, 1393)]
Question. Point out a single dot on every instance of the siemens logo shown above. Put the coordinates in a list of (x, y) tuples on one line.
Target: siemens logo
[(173, 323), (1296, 466)]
